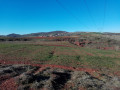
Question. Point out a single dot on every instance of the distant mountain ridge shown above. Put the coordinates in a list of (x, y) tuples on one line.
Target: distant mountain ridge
[(14, 35), (56, 33), (53, 33)]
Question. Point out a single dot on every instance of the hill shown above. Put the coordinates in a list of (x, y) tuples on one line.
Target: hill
[(59, 33), (14, 35), (53, 33)]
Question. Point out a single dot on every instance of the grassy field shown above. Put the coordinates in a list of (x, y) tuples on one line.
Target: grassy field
[(69, 56)]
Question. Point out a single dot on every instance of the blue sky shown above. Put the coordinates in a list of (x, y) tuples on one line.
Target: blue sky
[(30, 16)]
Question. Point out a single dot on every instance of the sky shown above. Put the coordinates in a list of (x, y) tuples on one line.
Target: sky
[(31, 16)]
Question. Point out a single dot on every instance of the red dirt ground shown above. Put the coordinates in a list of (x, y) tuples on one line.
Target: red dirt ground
[(9, 85)]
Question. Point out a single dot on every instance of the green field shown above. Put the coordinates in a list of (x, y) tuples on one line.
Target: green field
[(68, 56)]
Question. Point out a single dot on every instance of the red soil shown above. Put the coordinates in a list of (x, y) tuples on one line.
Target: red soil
[(39, 70), (90, 54), (9, 85), (4, 77), (117, 73), (82, 44)]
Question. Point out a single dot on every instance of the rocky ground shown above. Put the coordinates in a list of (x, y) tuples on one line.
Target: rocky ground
[(28, 77)]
